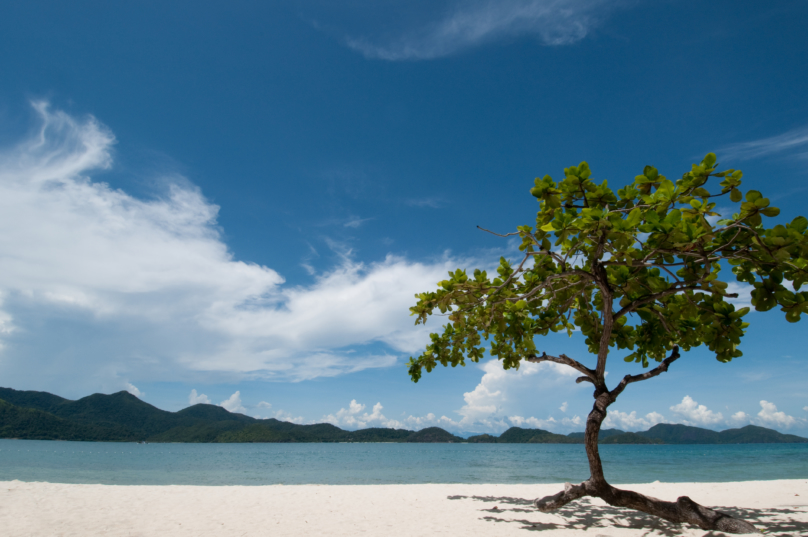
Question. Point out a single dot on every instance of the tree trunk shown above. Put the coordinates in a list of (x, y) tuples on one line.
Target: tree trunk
[(682, 510)]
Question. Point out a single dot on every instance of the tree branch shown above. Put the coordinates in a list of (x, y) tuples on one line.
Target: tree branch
[(662, 294), (658, 370), (499, 234), (564, 360)]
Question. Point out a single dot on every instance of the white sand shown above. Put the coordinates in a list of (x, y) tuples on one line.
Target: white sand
[(48, 509)]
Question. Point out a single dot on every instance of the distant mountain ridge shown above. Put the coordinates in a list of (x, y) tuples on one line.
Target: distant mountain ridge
[(122, 417)]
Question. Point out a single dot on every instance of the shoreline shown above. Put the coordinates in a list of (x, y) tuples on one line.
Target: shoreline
[(37, 508)]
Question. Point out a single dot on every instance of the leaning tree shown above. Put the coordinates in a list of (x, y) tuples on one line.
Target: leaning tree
[(635, 270)]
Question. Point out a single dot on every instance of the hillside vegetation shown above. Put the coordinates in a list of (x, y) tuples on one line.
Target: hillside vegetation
[(122, 417)]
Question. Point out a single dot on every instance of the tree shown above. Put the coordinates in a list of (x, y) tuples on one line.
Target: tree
[(635, 271)]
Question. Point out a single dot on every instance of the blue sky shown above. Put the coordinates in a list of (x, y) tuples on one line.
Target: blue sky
[(236, 204)]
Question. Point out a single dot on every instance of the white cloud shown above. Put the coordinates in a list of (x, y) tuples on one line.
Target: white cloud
[(805, 408), (154, 277), (739, 418), (355, 222), (131, 388), (431, 203), (769, 416), (353, 417), (264, 404), (549, 423), (487, 404), (744, 291), (195, 399), (233, 403), (285, 416), (631, 422), (474, 22), (794, 142), (491, 405), (696, 414), (563, 407)]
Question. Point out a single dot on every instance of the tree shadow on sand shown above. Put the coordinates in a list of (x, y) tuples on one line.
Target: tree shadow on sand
[(583, 514)]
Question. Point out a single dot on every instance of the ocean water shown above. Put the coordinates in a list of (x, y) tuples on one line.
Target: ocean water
[(344, 464)]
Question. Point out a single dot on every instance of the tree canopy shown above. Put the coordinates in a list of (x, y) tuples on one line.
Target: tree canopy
[(655, 246)]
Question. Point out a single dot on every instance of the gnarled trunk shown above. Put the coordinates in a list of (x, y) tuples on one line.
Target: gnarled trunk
[(682, 510)]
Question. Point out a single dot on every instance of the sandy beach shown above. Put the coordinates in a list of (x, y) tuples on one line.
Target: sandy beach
[(48, 509)]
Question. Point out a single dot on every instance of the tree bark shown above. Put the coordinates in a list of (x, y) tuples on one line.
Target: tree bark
[(683, 510)]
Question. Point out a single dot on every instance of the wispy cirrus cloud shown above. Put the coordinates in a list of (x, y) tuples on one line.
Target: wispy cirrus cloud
[(430, 203), (471, 23), (791, 143)]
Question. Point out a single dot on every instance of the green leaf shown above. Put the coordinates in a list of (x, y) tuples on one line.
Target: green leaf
[(770, 211), (673, 217), (735, 195), (634, 217), (800, 224), (696, 204)]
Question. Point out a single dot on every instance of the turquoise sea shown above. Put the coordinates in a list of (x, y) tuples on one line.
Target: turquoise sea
[(344, 464)]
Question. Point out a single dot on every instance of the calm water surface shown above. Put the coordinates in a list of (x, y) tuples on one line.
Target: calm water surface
[(351, 464)]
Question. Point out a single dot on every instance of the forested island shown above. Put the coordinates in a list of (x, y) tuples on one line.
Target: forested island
[(122, 417)]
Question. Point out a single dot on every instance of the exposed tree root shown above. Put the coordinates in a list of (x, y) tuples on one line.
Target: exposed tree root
[(682, 510)]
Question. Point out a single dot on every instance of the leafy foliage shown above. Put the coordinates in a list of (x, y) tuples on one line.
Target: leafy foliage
[(637, 269)]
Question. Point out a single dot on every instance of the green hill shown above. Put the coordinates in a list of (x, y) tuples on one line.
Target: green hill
[(433, 435), (517, 435), (44, 401), (211, 413), (681, 434), (482, 439), (120, 409), (752, 434), (628, 438), (379, 434), (604, 433), (34, 424)]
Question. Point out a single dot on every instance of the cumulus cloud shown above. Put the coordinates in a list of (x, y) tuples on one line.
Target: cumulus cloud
[(475, 22), (793, 142), (739, 418), (696, 414), (195, 399), (233, 403), (631, 421), (285, 416), (498, 393), (353, 417), (549, 423), (150, 285), (805, 408), (493, 404), (769, 416), (563, 407), (131, 388)]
